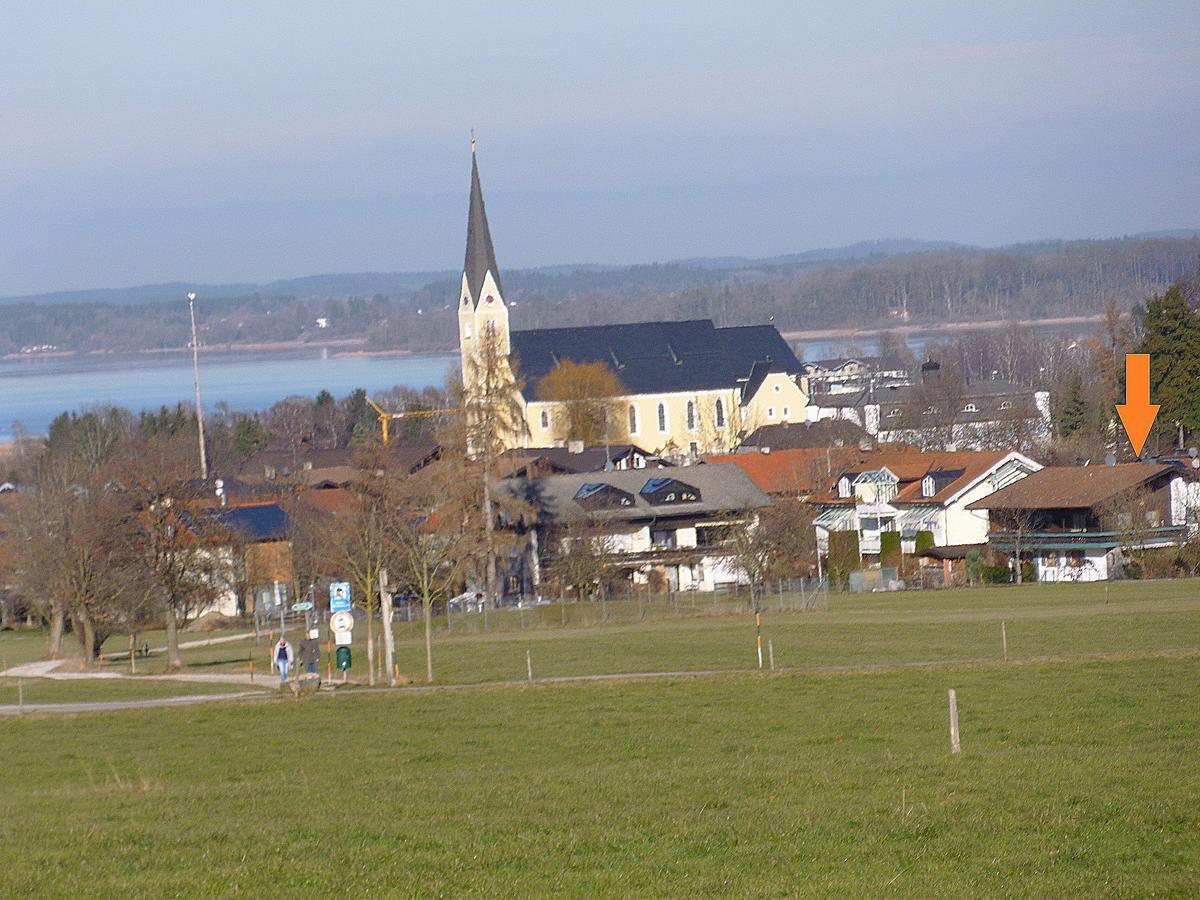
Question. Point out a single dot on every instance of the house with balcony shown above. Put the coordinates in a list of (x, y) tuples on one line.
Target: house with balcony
[(909, 491), (1086, 523), (669, 526)]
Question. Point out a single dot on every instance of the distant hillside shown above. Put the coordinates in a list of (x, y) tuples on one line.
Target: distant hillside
[(867, 285)]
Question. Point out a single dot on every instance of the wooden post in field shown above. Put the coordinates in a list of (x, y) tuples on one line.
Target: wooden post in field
[(955, 745), (132, 661), (20, 693), (771, 654), (1004, 640), (528, 667), (758, 635), (329, 668)]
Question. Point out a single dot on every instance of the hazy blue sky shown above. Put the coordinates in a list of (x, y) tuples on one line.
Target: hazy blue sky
[(252, 141)]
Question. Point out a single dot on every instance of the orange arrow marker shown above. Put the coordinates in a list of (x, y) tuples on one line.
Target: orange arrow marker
[(1137, 412)]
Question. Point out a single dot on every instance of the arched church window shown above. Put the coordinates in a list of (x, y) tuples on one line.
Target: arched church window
[(662, 417), (467, 330), (545, 420), (633, 419), (691, 415), (720, 413)]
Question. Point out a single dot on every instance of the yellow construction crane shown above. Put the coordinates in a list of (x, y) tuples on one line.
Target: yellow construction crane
[(386, 417)]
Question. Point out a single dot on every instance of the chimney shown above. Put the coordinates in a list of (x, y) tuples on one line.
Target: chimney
[(575, 446)]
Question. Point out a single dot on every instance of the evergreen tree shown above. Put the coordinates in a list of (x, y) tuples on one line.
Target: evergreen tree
[(1171, 335), (1075, 410)]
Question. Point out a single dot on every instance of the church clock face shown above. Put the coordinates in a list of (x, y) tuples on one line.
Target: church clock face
[(490, 300)]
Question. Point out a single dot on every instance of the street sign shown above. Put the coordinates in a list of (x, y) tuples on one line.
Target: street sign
[(301, 607), (339, 596), (343, 637), (341, 622)]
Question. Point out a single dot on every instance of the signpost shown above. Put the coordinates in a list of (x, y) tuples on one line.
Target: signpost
[(301, 607), (339, 597)]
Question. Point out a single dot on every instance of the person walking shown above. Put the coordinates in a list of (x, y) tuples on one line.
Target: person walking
[(283, 659), (310, 653)]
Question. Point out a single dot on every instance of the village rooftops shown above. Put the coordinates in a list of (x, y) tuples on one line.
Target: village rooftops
[(533, 461), (804, 435), (1073, 487), (639, 494), (658, 357), (797, 472)]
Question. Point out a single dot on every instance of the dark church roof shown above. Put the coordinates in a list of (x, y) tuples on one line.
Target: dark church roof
[(658, 357), (481, 256)]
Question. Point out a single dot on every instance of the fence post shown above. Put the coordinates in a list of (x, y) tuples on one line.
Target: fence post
[(528, 666), (771, 654), (955, 745), (1004, 640)]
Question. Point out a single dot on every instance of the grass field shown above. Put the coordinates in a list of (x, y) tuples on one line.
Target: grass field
[(47, 690), (1040, 621), (1074, 779)]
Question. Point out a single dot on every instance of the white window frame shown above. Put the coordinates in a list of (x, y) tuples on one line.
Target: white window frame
[(720, 413), (635, 419), (690, 415), (664, 418)]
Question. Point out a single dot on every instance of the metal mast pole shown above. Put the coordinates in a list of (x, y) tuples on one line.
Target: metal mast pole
[(196, 371)]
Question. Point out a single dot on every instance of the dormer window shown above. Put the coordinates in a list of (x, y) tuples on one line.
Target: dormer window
[(844, 487), (893, 414), (971, 408), (928, 486), (661, 491), (597, 495), (1006, 404), (928, 411)]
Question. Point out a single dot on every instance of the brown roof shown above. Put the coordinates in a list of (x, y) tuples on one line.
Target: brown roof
[(1072, 487)]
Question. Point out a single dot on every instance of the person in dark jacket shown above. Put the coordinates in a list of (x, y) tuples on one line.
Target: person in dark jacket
[(310, 653)]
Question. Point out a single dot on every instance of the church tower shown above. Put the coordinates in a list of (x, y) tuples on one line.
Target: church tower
[(481, 308)]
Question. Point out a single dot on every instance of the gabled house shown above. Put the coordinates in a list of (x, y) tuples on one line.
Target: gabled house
[(910, 492), (942, 414), (1083, 523), (793, 473), (668, 526)]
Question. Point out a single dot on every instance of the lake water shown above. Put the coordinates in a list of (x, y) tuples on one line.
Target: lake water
[(33, 392)]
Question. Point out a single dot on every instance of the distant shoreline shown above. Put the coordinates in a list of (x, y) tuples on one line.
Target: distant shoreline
[(356, 346), (345, 347), (934, 328)]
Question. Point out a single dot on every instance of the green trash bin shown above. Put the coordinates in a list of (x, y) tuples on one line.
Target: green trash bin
[(343, 658)]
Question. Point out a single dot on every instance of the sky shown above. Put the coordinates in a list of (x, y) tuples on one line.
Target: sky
[(249, 141)]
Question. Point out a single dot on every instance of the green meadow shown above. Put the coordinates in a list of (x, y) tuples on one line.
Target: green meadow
[(1078, 772)]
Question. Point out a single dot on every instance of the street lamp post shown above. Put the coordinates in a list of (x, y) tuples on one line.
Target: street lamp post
[(196, 371)]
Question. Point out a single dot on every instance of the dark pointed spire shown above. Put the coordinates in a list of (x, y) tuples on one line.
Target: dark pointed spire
[(481, 256)]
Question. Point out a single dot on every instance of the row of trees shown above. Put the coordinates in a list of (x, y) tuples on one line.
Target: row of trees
[(958, 284)]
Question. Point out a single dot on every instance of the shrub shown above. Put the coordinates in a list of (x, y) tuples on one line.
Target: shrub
[(889, 548), (924, 541), (843, 555)]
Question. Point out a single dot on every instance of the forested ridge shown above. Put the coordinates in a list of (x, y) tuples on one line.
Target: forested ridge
[(946, 284)]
